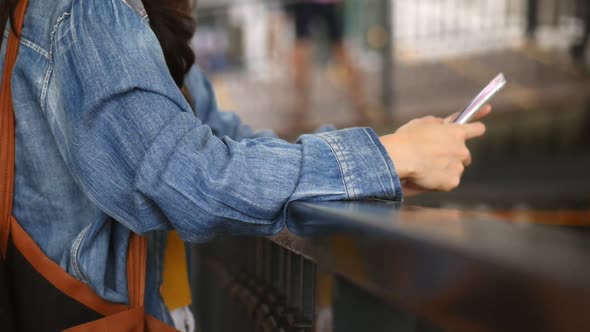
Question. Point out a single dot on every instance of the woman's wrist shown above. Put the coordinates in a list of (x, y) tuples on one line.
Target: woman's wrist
[(395, 146)]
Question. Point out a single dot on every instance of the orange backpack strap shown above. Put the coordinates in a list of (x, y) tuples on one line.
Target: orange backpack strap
[(136, 270), (7, 127)]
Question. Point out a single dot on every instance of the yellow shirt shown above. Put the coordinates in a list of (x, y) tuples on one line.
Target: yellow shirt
[(175, 287)]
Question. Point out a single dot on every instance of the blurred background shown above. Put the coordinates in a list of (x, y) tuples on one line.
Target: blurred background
[(291, 67)]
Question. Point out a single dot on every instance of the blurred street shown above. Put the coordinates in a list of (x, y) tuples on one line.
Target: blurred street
[(444, 52), (535, 81), (535, 155)]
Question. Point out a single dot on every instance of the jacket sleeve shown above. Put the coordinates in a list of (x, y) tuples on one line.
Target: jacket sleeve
[(136, 149), (204, 105)]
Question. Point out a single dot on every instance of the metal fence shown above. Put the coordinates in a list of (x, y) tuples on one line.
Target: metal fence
[(380, 267), (435, 29), (253, 284)]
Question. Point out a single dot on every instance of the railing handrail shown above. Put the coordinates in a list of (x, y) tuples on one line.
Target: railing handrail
[(431, 260)]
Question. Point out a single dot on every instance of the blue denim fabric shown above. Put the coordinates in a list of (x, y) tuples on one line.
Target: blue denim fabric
[(107, 144)]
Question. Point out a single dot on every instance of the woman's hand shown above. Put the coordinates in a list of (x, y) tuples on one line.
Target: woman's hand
[(430, 153)]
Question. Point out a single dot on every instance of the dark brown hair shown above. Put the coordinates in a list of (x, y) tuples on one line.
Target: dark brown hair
[(7, 8), (171, 20), (173, 23)]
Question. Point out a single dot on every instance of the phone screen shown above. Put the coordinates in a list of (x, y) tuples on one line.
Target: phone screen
[(482, 98)]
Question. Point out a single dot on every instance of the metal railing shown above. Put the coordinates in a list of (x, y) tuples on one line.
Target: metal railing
[(256, 285), (371, 266)]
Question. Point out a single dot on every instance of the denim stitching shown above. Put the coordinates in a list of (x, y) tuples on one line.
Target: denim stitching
[(74, 252), (136, 7), (348, 175), (50, 68), (391, 171), (31, 45), (340, 160)]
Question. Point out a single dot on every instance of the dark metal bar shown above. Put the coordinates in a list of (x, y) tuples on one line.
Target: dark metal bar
[(532, 18), (280, 281), (267, 261), (301, 283), (308, 290), (578, 50), (387, 93), (463, 272), (295, 294), (259, 258), (289, 279)]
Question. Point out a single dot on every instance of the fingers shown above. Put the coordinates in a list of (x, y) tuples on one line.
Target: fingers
[(451, 118), (432, 119), (454, 174), (473, 130), (485, 111), (482, 113), (466, 157), (433, 153), (450, 184)]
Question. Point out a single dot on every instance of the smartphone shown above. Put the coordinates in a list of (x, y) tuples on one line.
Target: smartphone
[(482, 98)]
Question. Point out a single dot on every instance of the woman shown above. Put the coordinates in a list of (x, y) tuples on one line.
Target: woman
[(106, 144)]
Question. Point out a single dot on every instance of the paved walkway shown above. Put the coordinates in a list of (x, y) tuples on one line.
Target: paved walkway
[(537, 80)]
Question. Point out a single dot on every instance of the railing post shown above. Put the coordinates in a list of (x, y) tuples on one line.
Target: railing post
[(387, 96), (532, 18), (578, 49)]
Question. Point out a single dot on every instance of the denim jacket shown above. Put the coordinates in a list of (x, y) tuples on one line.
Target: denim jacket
[(106, 144)]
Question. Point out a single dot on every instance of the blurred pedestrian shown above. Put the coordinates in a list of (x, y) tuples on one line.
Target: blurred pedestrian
[(329, 14)]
